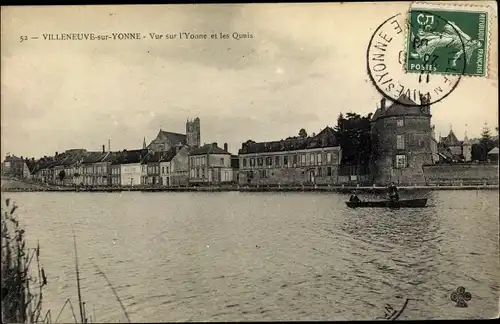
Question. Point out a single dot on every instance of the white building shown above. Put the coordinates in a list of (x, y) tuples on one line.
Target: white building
[(127, 169)]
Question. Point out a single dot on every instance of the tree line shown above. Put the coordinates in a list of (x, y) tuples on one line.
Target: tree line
[(479, 151)]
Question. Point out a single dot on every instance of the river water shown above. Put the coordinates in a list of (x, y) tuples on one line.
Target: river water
[(264, 256)]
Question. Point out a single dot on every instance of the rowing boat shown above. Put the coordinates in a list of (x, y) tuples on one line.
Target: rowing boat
[(409, 203)]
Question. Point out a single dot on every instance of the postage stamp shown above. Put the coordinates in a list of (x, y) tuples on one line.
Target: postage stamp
[(442, 41), (386, 60)]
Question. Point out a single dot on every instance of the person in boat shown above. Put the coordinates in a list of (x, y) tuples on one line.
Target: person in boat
[(354, 198), (393, 192)]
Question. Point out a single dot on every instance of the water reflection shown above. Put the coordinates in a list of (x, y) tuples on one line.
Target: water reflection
[(265, 256)]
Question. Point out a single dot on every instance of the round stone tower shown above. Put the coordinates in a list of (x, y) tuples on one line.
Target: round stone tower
[(401, 142)]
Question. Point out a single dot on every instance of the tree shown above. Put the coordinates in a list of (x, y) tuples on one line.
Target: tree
[(302, 133), (477, 152), (487, 142), (340, 120), (76, 175), (62, 175), (485, 134), (354, 134)]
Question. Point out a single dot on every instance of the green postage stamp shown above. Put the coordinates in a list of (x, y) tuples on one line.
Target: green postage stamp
[(447, 42)]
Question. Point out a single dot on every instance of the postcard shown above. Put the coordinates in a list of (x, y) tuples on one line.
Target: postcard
[(250, 162)]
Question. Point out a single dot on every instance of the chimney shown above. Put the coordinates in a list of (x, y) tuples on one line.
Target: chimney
[(104, 149), (382, 104), (225, 147), (56, 154), (214, 144)]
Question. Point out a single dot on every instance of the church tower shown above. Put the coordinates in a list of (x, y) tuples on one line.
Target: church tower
[(193, 132)]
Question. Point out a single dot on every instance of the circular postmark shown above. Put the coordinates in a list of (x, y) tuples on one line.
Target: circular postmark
[(420, 58)]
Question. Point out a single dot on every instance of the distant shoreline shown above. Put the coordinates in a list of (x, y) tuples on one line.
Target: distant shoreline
[(338, 189)]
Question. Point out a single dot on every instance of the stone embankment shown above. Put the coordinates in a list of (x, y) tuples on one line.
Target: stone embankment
[(21, 186)]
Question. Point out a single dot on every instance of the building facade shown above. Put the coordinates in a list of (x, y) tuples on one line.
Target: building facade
[(294, 161), (15, 167), (152, 163), (434, 146), (126, 169), (67, 167), (453, 150), (96, 168), (210, 164), (401, 139), (175, 168)]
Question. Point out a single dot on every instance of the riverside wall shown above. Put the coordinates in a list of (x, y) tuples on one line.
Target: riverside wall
[(461, 174), (465, 176)]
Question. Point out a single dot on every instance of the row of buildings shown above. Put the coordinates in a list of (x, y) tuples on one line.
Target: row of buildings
[(171, 159), (401, 134)]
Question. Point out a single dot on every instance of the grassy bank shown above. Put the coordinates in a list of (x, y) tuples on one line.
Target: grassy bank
[(23, 278)]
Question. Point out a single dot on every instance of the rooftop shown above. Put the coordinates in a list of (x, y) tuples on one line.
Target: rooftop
[(211, 148), (450, 140), (173, 138), (164, 156), (403, 106), (130, 156), (325, 138)]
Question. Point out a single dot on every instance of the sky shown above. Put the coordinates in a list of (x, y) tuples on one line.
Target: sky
[(305, 64)]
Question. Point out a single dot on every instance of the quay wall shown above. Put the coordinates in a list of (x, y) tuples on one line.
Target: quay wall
[(461, 174)]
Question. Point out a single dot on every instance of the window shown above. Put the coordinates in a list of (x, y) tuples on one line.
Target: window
[(167, 169), (313, 158), (260, 161), (269, 161), (203, 173), (197, 173), (400, 123), (319, 172), (244, 162), (328, 157), (329, 171), (295, 159), (285, 160), (163, 170), (203, 159), (277, 161), (400, 142), (303, 159), (400, 161), (221, 161), (319, 158), (252, 162)]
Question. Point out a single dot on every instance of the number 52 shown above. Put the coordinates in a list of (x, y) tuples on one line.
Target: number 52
[(24, 38)]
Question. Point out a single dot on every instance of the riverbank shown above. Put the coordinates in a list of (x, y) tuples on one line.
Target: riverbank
[(340, 189)]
